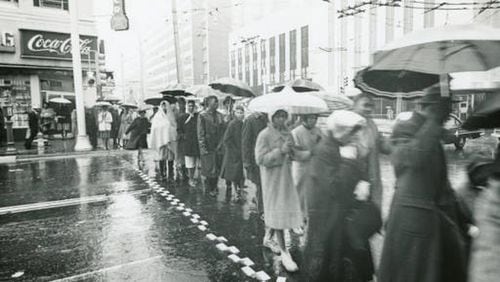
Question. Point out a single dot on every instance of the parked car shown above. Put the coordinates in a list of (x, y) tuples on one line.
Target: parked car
[(454, 134)]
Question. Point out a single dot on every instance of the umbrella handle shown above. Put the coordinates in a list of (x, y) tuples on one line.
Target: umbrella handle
[(444, 83)]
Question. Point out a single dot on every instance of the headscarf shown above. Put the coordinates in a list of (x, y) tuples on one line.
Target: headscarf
[(163, 127), (342, 122)]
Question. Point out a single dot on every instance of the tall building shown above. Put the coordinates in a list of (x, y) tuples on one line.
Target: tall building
[(35, 54), (203, 28)]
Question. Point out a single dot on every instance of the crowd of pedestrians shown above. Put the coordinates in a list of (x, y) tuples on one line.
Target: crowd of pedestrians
[(324, 185)]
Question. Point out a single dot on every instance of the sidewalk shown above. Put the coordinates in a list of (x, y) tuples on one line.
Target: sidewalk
[(54, 148)]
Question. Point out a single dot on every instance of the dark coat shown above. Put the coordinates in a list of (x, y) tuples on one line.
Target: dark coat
[(422, 242), (33, 122), (138, 133), (330, 183), (210, 129), (232, 164), (188, 135), (252, 126), (115, 125)]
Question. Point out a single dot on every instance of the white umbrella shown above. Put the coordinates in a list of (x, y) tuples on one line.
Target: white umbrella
[(103, 104), (333, 101), (60, 100), (441, 51), (289, 100)]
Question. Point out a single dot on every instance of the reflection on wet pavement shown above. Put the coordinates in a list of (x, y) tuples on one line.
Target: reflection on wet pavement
[(131, 236)]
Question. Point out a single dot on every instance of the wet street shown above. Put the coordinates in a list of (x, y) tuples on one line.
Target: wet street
[(94, 218)]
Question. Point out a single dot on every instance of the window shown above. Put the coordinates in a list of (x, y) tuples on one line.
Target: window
[(282, 57), (272, 55), (293, 50), (9, 1), (55, 4), (55, 83), (304, 39)]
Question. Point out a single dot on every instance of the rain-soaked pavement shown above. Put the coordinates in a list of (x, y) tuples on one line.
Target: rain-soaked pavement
[(125, 231)]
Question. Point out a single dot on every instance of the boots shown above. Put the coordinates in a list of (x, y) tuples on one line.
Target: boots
[(163, 169), (171, 170)]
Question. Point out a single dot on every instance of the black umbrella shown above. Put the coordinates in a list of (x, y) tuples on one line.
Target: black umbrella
[(393, 84), (156, 100), (486, 114), (232, 86), (300, 85), (175, 90)]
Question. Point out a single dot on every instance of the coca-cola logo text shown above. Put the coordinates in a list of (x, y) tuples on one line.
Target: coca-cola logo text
[(38, 43)]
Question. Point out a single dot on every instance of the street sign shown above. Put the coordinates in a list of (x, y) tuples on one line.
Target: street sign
[(119, 21)]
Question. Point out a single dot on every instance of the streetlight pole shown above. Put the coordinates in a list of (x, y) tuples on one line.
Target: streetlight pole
[(82, 140)]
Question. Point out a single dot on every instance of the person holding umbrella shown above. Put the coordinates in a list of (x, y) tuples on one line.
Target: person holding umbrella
[(33, 127), (138, 131), (422, 241), (281, 200), (104, 123), (127, 117), (211, 129), (164, 138)]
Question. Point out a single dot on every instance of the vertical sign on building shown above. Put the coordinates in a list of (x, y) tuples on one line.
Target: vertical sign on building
[(240, 63), (233, 64), (272, 61), (247, 63), (282, 47), (304, 46), (119, 20), (293, 53), (255, 78)]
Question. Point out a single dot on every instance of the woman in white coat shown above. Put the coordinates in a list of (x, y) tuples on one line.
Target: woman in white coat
[(164, 138)]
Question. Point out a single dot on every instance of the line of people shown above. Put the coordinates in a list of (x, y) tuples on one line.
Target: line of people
[(325, 185)]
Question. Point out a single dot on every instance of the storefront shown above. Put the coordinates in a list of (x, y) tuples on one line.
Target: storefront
[(35, 67)]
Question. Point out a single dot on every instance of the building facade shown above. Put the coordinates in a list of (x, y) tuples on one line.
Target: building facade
[(203, 30), (35, 54)]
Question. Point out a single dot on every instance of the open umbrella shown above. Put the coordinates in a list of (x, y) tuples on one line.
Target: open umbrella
[(203, 91), (103, 104), (112, 99), (486, 114), (129, 105), (60, 100), (175, 90), (334, 102), (232, 86), (300, 85), (157, 99), (289, 100), (439, 51)]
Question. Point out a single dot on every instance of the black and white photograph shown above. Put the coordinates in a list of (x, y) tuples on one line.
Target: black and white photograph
[(250, 140)]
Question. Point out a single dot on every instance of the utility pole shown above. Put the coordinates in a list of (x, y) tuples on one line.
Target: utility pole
[(82, 140), (178, 62)]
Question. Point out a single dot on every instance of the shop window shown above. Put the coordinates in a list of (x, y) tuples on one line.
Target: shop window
[(55, 84), (55, 4), (17, 92)]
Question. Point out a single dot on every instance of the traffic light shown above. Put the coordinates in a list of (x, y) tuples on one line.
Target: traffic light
[(90, 78)]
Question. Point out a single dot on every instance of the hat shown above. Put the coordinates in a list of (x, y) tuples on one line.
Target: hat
[(481, 169), (342, 122), (433, 95)]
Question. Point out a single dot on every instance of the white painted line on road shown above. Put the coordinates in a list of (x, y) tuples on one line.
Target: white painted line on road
[(202, 227), (194, 220), (204, 222), (233, 250), (222, 239), (262, 276), (196, 216), (246, 262), (186, 213), (281, 279), (234, 258), (90, 274), (189, 210), (52, 204), (180, 208), (248, 271), (210, 236), (222, 247)]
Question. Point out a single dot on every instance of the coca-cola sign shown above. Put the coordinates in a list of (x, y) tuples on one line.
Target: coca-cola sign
[(54, 45)]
